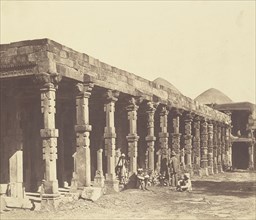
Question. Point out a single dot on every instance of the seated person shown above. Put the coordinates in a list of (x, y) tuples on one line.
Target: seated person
[(142, 179), (184, 184)]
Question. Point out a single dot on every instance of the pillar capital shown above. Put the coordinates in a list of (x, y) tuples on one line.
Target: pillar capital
[(133, 103), (46, 80), (151, 107), (177, 112), (111, 95), (164, 111), (83, 89)]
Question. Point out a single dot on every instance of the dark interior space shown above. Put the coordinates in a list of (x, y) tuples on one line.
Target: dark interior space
[(240, 155)]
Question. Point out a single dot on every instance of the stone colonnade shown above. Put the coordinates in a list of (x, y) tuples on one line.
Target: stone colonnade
[(207, 146)]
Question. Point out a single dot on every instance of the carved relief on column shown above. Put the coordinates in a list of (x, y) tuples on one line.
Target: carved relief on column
[(176, 133), (219, 149), (204, 145), (223, 145), (227, 144), (49, 134), (163, 134), (210, 147), (110, 134), (132, 137), (83, 129), (188, 141), (196, 143), (150, 138), (215, 147)]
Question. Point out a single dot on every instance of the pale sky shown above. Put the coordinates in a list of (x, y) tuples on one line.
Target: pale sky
[(195, 45)]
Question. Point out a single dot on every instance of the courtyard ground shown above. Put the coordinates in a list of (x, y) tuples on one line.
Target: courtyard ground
[(230, 195)]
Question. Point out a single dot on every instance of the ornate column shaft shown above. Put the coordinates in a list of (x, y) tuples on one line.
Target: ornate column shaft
[(219, 149), (163, 134), (196, 144), (176, 133), (223, 146), (110, 134), (132, 137), (188, 141), (150, 138), (215, 148), (49, 133), (83, 129), (210, 148), (204, 146), (227, 140), (99, 177)]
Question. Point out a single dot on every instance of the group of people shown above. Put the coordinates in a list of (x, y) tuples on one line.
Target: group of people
[(168, 174)]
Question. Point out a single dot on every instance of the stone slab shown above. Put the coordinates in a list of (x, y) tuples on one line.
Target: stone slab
[(92, 193)]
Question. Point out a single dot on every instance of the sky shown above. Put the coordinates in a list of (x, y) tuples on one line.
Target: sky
[(195, 45)]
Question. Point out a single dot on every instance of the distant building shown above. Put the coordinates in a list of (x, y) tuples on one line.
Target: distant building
[(243, 117)]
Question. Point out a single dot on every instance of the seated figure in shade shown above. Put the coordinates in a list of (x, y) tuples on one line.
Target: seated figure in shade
[(184, 184)]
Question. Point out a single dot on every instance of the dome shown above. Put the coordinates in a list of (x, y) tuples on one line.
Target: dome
[(213, 96), (166, 84)]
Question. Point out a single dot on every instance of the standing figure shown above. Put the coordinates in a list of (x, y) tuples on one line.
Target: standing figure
[(121, 169), (174, 168)]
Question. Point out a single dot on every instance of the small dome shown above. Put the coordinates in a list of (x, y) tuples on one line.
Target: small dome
[(213, 96), (166, 84)]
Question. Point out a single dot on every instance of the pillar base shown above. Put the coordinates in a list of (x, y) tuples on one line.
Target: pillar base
[(210, 171), (99, 179), (112, 186), (204, 171), (16, 190), (215, 169), (220, 170), (50, 187), (50, 202)]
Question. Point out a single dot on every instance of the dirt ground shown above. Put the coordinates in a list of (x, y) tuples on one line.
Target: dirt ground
[(222, 196)]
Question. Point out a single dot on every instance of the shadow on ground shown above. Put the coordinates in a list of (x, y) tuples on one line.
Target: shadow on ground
[(226, 188)]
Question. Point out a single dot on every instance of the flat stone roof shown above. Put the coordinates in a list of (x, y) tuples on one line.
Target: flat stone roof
[(25, 58)]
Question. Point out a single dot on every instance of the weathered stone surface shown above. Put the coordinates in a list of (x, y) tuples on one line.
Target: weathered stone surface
[(92, 193), (74, 65), (11, 202)]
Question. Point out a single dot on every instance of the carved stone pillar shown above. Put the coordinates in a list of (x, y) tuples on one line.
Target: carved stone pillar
[(83, 129), (219, 149), (49, 133), (176, 133), (251, 151), (110, 139), (196, 145), (99, 177), (204, 147), (163, 134), (215, 148), (227, 144), (150, 138), (132, 137), (210, 148), (188, 142), (223, 146)]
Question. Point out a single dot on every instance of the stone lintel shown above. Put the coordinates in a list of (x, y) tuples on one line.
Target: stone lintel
[(83, 128), (49, 133)]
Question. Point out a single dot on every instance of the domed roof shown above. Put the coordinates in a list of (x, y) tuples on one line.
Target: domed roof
[(213, 96), (166, 84)]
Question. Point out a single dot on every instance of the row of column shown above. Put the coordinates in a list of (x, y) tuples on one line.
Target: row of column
[(208, 148)]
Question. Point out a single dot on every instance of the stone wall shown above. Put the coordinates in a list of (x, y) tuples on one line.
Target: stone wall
[(45, 55)]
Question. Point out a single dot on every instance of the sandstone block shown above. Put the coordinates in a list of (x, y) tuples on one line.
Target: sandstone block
[(92, 193)]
